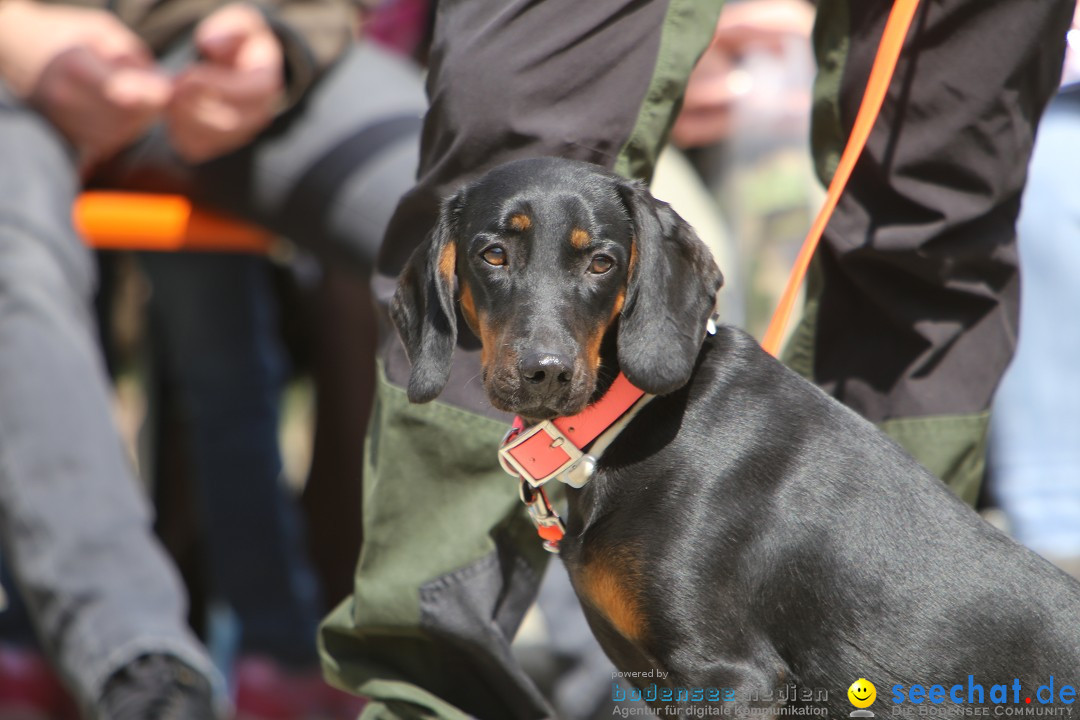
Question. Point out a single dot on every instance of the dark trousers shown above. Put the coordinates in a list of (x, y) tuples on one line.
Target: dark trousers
[(913, 307), (217, 347)]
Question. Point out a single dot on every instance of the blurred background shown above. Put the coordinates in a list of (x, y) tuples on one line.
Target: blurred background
[(738, 169)]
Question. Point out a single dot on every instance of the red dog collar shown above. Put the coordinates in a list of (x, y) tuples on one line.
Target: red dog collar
[(555, 449)]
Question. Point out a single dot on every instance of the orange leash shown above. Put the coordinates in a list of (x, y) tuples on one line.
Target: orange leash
[(892, 40)]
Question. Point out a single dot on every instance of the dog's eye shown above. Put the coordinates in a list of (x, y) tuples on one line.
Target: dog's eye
[(601, 264), (494, 255)]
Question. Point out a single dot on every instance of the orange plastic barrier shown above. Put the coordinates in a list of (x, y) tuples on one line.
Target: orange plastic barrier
[(163, 223)]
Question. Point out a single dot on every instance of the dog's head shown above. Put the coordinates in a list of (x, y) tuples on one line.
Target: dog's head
[(567, 274)]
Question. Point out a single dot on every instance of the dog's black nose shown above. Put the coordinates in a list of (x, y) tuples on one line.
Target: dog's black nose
[(545, 370)]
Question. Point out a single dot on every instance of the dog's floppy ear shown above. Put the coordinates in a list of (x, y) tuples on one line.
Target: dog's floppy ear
[(670, 295), (423, 306)]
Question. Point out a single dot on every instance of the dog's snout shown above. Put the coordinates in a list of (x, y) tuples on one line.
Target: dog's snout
[(546, 370)]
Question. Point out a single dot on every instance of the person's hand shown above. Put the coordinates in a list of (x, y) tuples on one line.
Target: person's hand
[(226, 98), (717, 81), (82, 69)]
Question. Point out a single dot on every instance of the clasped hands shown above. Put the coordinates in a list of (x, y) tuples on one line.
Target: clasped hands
[(99, 85)]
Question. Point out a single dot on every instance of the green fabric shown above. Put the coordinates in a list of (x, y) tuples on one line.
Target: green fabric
[(798, 351), (953, 447), (418, 525), (688, 29), (831, 42)]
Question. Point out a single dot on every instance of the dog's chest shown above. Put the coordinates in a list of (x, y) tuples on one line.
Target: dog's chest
[(606, 573), (607, 585)]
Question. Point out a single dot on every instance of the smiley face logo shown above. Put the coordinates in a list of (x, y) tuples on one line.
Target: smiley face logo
[(862, 693)]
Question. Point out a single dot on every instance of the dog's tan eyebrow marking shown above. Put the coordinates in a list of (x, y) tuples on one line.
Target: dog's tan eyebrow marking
[(579, 238), (448, 262), (633, 260), (519, 222)]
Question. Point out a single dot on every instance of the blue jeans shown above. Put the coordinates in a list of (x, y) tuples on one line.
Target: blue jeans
[(213, 318), (1035, 460)]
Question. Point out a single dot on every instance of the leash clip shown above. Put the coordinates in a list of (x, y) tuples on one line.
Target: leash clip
[(549, 526)]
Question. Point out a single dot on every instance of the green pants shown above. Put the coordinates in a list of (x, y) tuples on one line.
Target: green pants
[(911, 321), (450, 561)]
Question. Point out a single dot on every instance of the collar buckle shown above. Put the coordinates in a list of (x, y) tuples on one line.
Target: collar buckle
[(539, 454)]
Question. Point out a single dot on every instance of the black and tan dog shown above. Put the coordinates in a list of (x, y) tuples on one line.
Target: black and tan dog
[(745, 532)]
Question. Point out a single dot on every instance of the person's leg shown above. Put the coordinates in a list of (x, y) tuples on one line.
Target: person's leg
[(214, 318), (912, 315), (450, 561), (74, 526), (1035, 456)]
